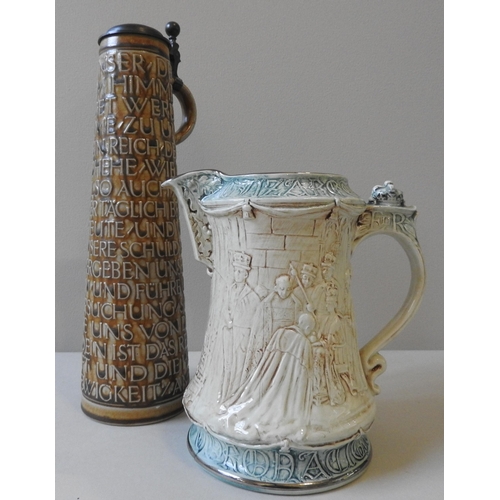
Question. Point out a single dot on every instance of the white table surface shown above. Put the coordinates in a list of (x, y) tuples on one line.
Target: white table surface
[(95, 461)]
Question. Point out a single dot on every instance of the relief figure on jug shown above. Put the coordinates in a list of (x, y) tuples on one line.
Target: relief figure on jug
[(276, 401), (280, 308), (241, 303), (329, 389), (321, 301)]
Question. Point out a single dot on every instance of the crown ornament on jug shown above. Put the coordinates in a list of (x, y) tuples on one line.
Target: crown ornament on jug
[(387, 195)]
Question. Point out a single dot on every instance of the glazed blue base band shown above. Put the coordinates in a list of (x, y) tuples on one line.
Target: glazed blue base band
[(293, 471)]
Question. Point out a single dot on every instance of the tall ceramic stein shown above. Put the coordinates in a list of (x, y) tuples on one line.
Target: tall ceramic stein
[(283, 397), (135, 365)]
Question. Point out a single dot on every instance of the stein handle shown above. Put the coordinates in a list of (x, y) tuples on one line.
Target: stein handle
[(188, 108), (388, 215), (183, 94)]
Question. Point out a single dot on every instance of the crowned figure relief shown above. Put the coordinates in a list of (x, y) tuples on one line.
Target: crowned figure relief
[(239, 308), (323, 298), (305, 284)]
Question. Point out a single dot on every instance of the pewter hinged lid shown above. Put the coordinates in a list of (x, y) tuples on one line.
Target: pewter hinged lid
[(132, 29)]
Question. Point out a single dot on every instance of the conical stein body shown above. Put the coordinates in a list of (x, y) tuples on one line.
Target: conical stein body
[(135, 365)]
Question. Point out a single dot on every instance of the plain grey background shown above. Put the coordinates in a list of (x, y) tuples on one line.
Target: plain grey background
[(353, 87)]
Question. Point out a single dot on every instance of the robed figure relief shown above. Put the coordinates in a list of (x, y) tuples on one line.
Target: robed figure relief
[(329, 388), (276, 400), (305, 283), (279, 309), (239, 308), (321, 302)]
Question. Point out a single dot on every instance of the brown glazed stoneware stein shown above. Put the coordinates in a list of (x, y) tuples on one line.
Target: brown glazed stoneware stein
[(135, 366)]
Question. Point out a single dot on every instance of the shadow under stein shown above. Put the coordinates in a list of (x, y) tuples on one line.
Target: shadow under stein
[(135, 359)]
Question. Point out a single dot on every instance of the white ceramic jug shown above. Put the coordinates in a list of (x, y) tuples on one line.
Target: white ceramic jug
[(283, 397)]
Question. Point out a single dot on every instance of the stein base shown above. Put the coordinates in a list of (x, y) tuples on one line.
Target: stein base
[(131, 416), (274, 470)]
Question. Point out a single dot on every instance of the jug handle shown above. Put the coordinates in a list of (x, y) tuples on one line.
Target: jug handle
[(390, 216), (188, 108)]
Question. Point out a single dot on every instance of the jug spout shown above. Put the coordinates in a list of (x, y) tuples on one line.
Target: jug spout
[(190, 189)]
